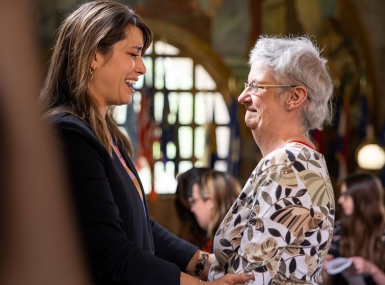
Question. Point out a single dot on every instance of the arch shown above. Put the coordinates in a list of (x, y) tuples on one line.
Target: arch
[(199, 51)]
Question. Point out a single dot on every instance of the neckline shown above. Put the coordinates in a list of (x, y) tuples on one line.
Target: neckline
[(301, 142)]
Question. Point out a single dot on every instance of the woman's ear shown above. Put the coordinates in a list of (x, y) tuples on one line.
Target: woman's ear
[(97, 60), (296, 97)]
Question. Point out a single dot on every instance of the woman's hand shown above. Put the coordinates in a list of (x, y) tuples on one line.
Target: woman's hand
[(362, 266), (232, 279), (228, 279)]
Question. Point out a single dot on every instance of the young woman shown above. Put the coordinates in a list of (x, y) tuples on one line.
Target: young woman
[(96, 60), (360, 234), (212, 195)]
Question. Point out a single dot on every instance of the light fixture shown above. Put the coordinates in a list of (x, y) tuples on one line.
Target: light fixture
[(370, 155)]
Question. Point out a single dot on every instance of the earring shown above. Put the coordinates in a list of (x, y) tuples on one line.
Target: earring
[(92, 75)]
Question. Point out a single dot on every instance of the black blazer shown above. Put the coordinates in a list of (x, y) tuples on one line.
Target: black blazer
[(123, 245)]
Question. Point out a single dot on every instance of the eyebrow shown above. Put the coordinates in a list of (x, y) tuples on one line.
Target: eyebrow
[(137, 48)]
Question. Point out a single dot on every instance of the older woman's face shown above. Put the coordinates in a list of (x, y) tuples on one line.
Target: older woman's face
[(264, 108), (115, 73)]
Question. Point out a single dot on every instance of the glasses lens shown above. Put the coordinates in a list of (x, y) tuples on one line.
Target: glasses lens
[(253, 88)]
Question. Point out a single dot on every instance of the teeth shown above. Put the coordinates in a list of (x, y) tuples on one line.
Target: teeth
[(130, 81)]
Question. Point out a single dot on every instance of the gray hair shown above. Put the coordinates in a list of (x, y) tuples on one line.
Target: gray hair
[(297, 61)]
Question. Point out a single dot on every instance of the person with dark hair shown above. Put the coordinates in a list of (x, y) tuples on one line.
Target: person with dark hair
[(281, 225), (360, 234), (213, 194), (96, 60), (190, 229)]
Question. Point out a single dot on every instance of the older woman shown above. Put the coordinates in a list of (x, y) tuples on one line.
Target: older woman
[(96, 60), (281, 225)]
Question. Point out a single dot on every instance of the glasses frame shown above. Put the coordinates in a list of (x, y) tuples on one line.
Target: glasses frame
[(254, 89), (192, 200)]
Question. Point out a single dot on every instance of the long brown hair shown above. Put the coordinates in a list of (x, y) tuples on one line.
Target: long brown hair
[(362, 231), (224, 189), (93, 26)]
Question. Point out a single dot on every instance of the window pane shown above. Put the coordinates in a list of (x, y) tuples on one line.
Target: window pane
[(200, 109), (178, 73), (171, 150), (220, 165), (165, 48), (159, 73), (173, 102), (158, 107), (164, 177), (149, 50), (203, 80), (120, 114), (156, 152), (221, 111), (185, 142), (148, 75), (199, 146), (184, 166), (145, 176), (186, 108), (136, 98), (223, 141)]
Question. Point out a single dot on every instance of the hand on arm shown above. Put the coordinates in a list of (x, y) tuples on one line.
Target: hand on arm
[(228, 279)]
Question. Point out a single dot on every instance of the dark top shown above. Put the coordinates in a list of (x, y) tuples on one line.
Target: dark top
[(334, 250), (123, 245)]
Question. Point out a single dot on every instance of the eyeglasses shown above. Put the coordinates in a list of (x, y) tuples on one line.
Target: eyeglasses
[(193, 200), (254, 87), (344, 195)]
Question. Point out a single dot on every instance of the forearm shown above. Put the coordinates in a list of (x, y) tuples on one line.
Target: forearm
[(377, 274), (199, 265)]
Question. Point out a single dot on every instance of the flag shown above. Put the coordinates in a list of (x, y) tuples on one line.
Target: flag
[(235, 140), (146, 130), (342, 154)]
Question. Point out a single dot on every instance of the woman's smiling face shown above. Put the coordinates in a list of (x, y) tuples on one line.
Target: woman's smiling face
[(263, 108), (115, 72)]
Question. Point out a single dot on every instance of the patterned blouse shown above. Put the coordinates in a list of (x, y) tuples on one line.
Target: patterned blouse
[(281, 225)]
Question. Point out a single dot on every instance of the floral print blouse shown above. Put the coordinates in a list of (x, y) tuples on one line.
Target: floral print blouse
[(281, 225)]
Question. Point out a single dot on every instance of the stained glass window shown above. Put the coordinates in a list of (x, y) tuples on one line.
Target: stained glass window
[(177, 119)]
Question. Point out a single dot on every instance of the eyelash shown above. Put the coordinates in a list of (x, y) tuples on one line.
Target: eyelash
[(134, 56)]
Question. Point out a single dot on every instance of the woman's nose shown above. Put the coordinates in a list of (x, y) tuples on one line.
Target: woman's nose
[(140, 67), (244, 97)]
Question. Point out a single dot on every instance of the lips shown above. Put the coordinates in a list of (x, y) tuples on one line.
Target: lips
[(131, 83)]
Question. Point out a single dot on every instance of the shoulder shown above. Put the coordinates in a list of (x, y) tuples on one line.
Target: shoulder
[(69, 123), (69, 128)]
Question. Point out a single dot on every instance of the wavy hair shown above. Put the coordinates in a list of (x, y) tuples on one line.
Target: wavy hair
[(297, 61), (93, 26), (224, 190), (362, 231)]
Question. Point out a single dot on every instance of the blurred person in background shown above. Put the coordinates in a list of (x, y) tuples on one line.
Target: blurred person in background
[(189, 227), (360, 234), (213, 194), (39, 243)]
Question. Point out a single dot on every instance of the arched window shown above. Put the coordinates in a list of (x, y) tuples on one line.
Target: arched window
[(178, 118)]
